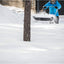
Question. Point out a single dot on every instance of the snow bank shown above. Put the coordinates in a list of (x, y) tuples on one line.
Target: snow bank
[(15, 9), (46, 46), (9, 17)]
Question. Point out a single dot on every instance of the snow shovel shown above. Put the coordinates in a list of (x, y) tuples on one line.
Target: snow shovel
[(45, 16)]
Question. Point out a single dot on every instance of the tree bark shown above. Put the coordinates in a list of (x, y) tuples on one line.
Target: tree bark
[(27, 18)]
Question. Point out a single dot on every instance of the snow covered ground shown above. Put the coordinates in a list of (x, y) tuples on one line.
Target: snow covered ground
[(47, 40)]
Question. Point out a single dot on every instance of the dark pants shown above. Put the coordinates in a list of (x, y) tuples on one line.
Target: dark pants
[(57, 22)]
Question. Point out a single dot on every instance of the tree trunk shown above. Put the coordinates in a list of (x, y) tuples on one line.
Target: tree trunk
[(27, 18)]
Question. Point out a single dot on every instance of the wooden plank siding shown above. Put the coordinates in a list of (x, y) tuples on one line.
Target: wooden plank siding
[(17, 3)]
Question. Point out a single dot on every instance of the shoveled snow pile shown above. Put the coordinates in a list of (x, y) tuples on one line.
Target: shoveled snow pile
[(9, 17), (44, 15), (15, 9)]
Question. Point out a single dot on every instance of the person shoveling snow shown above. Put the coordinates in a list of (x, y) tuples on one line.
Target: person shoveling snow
[(53, 15), (53, 6)]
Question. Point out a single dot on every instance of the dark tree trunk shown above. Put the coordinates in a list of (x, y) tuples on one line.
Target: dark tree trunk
[(27, 18)]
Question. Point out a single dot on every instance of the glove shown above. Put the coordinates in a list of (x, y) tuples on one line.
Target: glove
[(56, 7), (44, 7)]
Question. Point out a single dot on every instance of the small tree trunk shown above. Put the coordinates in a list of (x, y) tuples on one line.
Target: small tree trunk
[(27, 18)]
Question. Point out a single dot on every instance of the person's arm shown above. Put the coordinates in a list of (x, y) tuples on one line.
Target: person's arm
[(46, 5), (58, 5)]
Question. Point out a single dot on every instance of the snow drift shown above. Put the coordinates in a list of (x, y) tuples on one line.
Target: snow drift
[(46, 46), (9, 17)]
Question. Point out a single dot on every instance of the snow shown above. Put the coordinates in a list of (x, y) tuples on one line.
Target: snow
[(43, 14), (47, 40)]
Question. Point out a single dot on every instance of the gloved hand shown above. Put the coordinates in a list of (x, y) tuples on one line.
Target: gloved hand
[(56, 7), (44, 7)]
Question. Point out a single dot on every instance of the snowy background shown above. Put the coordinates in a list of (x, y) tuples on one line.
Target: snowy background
[(47, 40)]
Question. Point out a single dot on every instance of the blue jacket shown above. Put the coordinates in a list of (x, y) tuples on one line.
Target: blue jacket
[(52, 9)]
